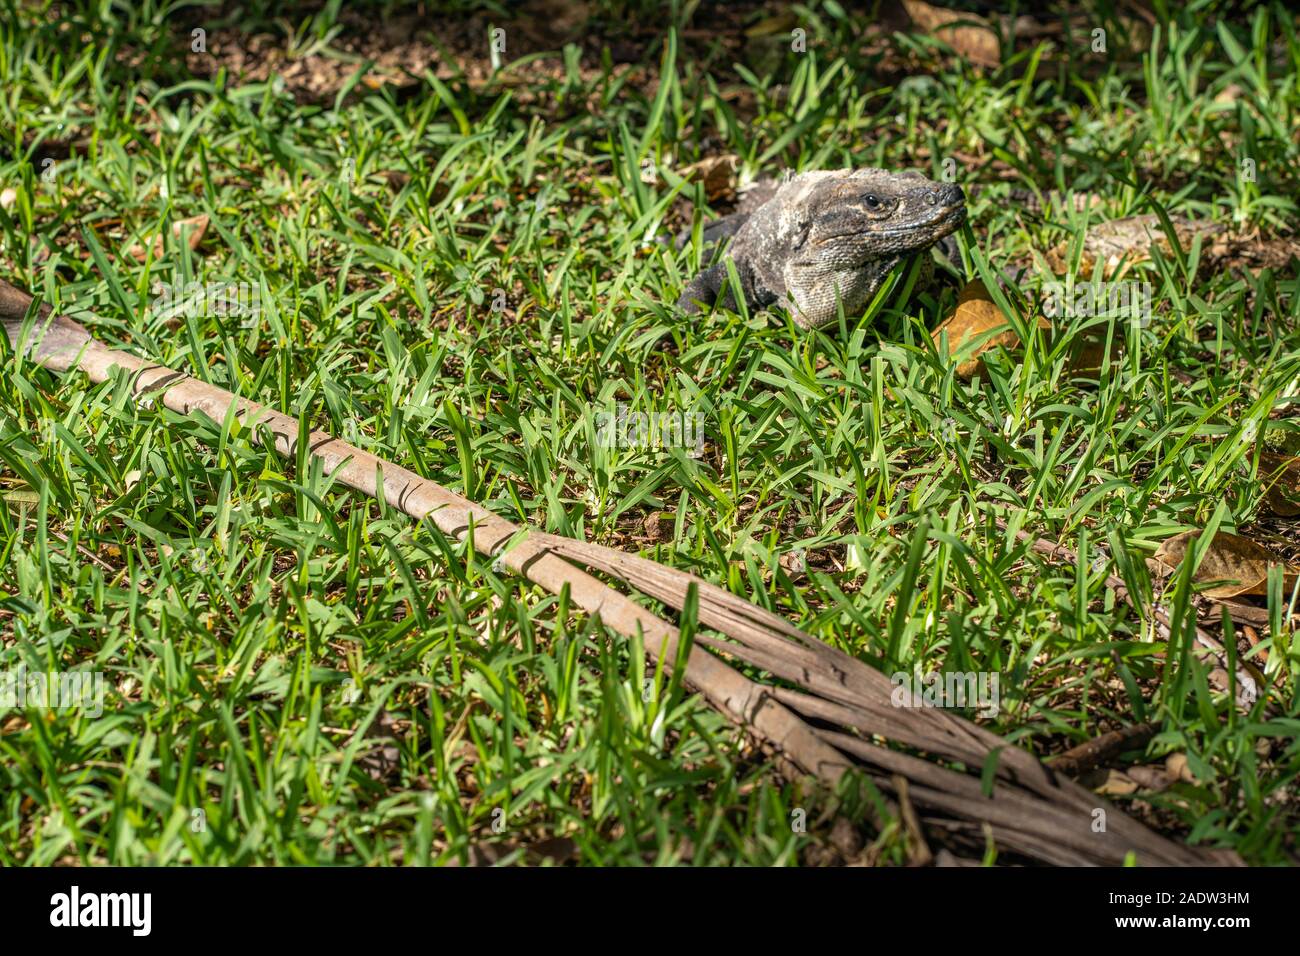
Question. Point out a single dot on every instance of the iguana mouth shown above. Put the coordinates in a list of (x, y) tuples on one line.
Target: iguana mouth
[(948, 220), (946, 223)]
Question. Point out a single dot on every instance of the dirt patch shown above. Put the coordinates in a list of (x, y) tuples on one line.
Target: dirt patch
[(475, 47)]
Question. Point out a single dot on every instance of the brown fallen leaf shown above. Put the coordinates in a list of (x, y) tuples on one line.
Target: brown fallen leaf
[(1152, 779), (1280, 475), (975, 316), (1254, 253), (1229, 94), (383, 761), (658, 526), (1177, 767), (970, 36), (378, 79), (196, 226), (556, 850), (794, 563), (396, 179), (1121, 243), (1113, 783), (1237, 563), (1089, 354), (717, 173), (1148, 778)]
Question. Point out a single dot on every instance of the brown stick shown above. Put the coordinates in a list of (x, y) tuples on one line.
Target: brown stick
[(1090, 753), (1249, 681)]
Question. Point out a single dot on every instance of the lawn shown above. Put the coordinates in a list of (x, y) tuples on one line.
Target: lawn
[(441, 238)]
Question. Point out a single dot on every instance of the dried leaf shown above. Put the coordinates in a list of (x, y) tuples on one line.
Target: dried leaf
[(1089, 354), (1152, 779), (1229, 94), (555, 850), (975, 316), (1280, 475), (1177, 767), (970, 36), (1117, 784), (658, 526), (196, 227), (1126, 242), (378, 79), (718, 173), (383, 761), (1238, 564), (794, 563)]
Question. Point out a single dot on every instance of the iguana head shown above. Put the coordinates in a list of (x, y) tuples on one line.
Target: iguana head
[(868, 214), (824, 239), (846, 230)]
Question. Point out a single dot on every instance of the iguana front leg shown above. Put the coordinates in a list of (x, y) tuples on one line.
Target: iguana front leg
[(707, 286), (704, 288)]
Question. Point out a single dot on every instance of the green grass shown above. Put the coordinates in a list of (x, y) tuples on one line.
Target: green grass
[(257, 626)]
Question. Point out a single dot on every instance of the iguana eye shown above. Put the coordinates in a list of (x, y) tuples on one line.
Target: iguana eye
[(872, 202)]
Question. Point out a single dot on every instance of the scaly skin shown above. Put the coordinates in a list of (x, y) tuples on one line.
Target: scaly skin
[(826, 237)]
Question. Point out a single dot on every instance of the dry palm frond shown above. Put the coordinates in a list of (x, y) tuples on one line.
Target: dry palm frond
[(836, 712)]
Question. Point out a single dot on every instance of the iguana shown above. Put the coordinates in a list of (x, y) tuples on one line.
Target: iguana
[(798, 243)]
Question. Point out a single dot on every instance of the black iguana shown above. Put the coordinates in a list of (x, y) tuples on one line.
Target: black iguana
[(801, 242)]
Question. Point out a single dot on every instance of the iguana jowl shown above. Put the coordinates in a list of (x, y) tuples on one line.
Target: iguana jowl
[(827, 233)]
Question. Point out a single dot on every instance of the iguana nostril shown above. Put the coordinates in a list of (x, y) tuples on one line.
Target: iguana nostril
[(946, 195)]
